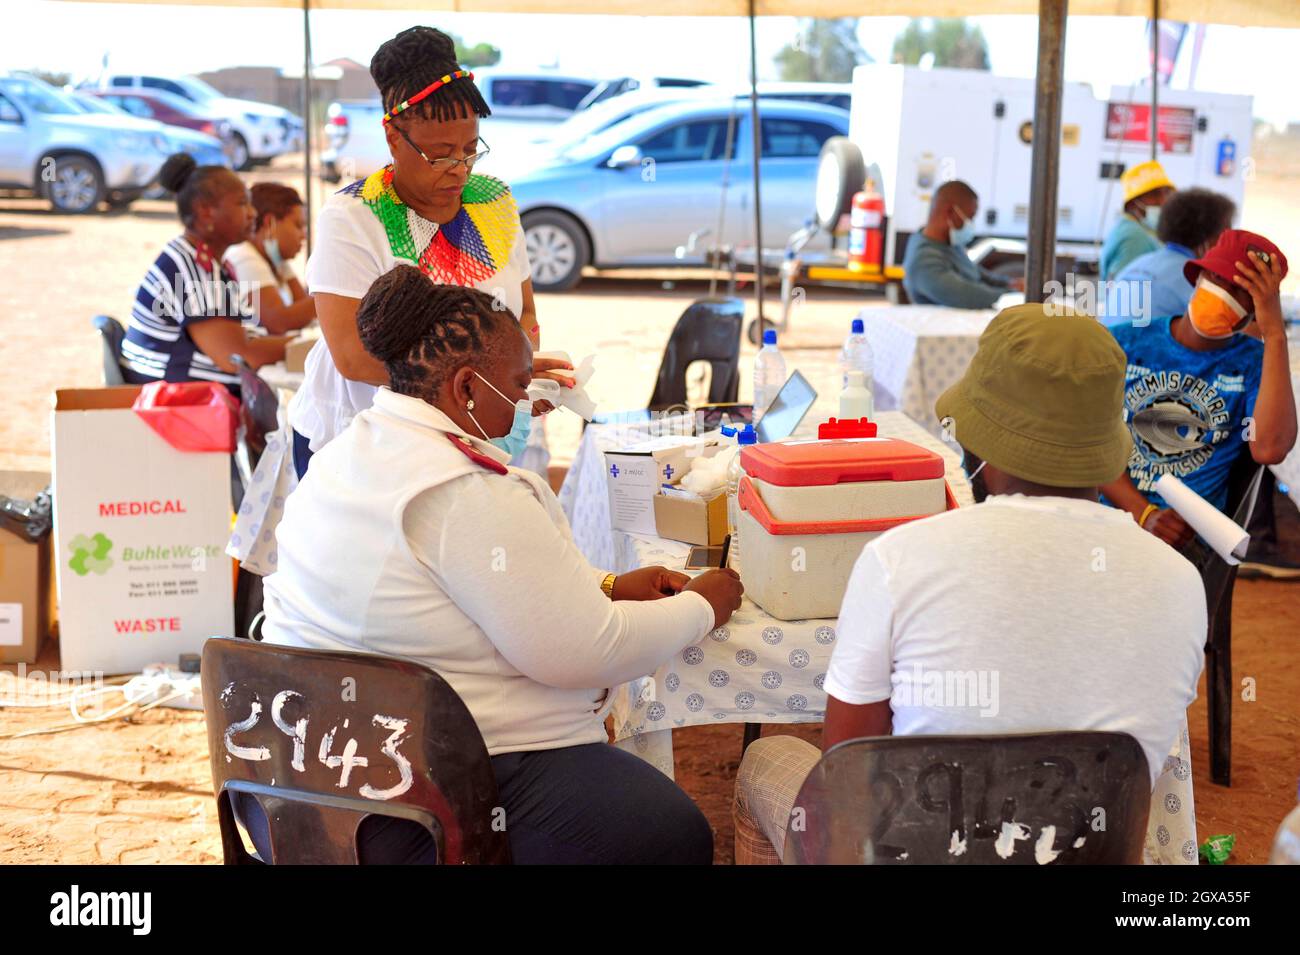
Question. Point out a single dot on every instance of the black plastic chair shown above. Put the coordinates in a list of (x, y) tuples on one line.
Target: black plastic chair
[(1064, 798), (269, 710), (111, 334), (709, 330), (1219, 578)]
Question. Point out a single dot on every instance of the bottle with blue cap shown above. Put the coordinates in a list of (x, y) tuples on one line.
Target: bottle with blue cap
[(769, 373), (744, 438), (856, 356)]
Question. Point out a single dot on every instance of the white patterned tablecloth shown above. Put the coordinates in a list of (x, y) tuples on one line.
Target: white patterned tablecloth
[(758, 669), (918, 351)]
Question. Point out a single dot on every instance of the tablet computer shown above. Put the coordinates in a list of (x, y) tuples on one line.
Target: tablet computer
[(787, 409)]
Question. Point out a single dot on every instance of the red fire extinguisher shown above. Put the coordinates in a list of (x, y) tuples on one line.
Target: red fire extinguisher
[(867, 230)]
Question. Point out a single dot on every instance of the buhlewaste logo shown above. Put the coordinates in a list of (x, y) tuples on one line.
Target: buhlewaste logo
[(90, 555)]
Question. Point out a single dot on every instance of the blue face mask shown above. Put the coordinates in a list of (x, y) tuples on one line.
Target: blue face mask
[(272, 248), (963, 234), (513, 443)]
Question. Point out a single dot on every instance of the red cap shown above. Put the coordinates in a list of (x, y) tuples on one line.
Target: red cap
[(1230, 249)]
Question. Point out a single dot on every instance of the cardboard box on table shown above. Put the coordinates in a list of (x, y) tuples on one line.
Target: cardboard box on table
[(295, 353), (697, 521), (26, 591), (140, 532), (634, 475)]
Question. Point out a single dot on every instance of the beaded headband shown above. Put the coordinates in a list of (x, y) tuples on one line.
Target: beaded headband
[(431, 88)]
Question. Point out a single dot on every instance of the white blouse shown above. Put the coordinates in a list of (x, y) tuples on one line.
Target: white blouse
[(352, 251), (397, 543)]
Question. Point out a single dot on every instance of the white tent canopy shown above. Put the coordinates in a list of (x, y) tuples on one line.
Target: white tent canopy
[(1247, 13), (1040, 262)]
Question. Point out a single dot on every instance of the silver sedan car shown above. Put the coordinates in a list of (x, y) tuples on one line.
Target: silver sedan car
[(632, 194), (51, 146)]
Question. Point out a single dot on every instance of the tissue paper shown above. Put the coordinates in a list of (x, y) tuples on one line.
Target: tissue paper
[(575, 398)]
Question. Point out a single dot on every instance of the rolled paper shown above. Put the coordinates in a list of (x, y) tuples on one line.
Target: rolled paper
[(1225, 536)]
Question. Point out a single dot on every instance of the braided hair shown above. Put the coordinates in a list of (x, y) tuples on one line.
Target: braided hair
[(421, 331), (191, 182), (413, 60)]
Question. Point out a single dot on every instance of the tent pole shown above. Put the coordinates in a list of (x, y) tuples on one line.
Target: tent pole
[(1155, 76), (757, 152), (306, 117), (1040, 265)]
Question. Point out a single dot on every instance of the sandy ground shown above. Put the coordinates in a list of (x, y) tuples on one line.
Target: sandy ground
[(139, 790)]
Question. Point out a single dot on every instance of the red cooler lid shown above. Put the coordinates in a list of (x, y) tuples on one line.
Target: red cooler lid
[(802, 463)]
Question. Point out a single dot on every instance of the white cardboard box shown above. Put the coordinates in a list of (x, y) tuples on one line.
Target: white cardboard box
[(140, 531), (633, 476)]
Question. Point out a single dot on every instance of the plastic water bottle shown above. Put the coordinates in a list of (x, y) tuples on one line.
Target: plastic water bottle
[(855, 399), (1286, 845), (769, 373), (856, 354), (735, 471)]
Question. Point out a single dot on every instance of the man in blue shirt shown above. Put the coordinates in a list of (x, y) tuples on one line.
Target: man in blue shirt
[(1146, 187), (936, 268), (1198, 391), (1153, 285)]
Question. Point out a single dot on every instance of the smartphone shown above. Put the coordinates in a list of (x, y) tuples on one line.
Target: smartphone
[(704, 558)]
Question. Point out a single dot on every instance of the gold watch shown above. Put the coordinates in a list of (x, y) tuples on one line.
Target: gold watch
[(607, 585)]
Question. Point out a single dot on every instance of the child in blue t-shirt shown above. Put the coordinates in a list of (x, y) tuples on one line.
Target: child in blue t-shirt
[(1200, 390)]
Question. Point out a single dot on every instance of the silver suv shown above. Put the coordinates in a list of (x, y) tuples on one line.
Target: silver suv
[(50, 146)]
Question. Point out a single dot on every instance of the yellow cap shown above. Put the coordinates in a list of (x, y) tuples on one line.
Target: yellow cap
[(1142, 178)]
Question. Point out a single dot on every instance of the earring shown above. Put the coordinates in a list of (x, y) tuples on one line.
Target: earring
[(469, 405)]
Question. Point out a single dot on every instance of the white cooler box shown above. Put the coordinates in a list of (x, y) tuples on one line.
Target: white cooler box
[(808, 507)]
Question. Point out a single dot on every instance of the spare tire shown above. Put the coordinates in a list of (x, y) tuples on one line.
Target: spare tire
[(841, 173)]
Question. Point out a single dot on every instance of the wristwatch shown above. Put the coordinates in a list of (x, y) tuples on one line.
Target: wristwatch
[(607, 585)]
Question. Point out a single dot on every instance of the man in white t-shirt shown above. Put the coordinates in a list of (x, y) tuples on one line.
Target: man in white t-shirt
[(1067, 613)]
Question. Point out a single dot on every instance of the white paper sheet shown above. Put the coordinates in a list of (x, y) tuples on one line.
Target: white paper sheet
[(1225, 536)]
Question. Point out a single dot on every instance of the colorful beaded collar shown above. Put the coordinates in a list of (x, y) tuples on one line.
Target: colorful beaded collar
[(469, 249)]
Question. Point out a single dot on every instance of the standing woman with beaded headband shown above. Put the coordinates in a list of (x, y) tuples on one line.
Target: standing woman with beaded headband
[(429, 209)]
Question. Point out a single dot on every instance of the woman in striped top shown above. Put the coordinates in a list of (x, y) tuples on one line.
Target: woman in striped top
[(186, 322)]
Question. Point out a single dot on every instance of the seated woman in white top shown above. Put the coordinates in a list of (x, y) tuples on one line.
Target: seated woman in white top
[(261, 264), (410, 536)]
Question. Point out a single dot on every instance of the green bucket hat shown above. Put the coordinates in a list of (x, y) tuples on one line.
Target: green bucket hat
[(1043, 399)]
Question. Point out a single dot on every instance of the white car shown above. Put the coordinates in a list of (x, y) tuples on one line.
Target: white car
[(608, 89), (537, 95), (261, 131), (51, 146), (525, 107)]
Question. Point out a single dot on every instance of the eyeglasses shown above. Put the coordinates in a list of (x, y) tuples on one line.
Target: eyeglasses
[(445, 165)]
